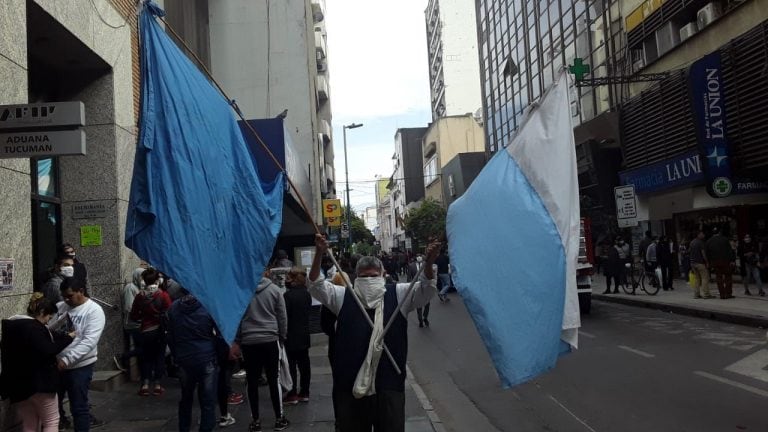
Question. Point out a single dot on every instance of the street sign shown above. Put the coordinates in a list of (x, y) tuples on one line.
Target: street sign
[(344, 233), (331, 208), (345, 226), (42, 144), (334, 221), (42, 115), (626, 206)]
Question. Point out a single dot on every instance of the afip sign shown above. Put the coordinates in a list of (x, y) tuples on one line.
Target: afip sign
[(334, 221), (331, 208)]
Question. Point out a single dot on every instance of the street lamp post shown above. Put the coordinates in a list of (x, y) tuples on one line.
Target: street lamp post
[(346, 175)]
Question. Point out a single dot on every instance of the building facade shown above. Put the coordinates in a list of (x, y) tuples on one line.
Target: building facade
[(384, 217), (445, 139), (406, 184), (694, 144), (454, 74), (524, 46), (82, 51), (271, 71)]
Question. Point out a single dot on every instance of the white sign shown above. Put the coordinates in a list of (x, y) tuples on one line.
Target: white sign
[(626, 206), (344, 233), (42, 144), (42, 115)]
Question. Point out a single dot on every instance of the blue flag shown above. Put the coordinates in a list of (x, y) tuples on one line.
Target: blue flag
[(514, 238), (198, 210)]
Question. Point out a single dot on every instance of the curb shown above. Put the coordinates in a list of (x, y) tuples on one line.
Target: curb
[(724, 316), (434, 419)]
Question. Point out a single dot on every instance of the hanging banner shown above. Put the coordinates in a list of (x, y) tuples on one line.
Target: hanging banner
[(709, 114)]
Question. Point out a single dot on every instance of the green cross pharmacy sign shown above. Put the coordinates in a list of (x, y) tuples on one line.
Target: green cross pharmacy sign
[(579, 69)]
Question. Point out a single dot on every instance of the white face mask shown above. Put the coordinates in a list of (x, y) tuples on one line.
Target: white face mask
[(67, 271), (371, 290)]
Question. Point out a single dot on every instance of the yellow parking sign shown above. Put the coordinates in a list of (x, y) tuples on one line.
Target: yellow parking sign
[(334, 221), (331, 208)]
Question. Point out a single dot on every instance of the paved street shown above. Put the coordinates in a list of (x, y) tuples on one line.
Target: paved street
[(636, 370), (124, 411)]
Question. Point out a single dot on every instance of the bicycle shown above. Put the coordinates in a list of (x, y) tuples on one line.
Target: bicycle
[(643, 277)]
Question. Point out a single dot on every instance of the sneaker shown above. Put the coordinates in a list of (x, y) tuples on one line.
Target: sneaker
[(281, 424), (96, 423), (235, 399), (226, 421), (303, 398), (290, 399), (239, 374), (255, 426)]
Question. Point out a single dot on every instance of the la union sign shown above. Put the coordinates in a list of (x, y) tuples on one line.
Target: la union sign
[(682, 170)]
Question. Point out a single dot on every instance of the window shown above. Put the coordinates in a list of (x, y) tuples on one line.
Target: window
[(46, 214), (451, 187), (430, 171)]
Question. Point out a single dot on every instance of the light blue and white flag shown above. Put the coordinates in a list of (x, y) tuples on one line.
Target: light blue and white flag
[(514, 240)]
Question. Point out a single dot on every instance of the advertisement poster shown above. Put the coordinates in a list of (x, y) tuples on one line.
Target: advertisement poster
[(6, 273)]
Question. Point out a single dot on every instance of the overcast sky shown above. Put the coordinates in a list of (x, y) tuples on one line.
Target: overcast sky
[(377, 54)]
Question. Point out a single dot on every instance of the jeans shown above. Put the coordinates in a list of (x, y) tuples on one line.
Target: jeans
[(445, 281), (299, 359), (224, 384), (76, 383), (204, 376), (723, 271), (258, 357), (152, 356), (753, 272)]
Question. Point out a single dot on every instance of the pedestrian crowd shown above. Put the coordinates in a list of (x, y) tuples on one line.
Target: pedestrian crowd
[(49, 353), (699, 261)]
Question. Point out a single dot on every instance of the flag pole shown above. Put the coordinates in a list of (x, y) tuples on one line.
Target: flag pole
[(302, 203)]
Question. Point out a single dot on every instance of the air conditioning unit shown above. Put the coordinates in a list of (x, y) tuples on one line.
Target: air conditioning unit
[(667, 37), (708, 14), (322, 67), (688, 30)]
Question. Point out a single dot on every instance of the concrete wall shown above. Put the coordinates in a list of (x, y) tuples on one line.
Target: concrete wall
[(15, 216), (263, 54)]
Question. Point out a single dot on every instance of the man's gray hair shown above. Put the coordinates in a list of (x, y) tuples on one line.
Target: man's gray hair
[(368, 262)]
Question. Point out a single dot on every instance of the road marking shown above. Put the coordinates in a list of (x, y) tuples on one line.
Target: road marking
[(585, 334), (572, 414), (752, 366), (638, 352), (722, 380)]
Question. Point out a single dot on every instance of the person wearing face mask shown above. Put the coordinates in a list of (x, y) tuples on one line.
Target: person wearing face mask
[(30, 377), (64, 268), (149, 308), (750, 257), (368, 392), (81, 273), (298, 306)]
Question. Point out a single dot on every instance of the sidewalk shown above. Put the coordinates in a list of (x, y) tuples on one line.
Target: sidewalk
[(125, 411), (745, 310)]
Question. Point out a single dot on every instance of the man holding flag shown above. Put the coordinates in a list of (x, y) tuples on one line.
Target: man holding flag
[(369, 391)]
